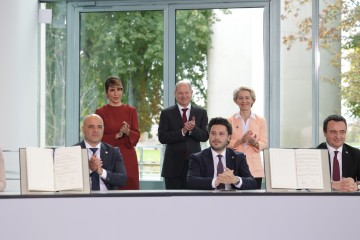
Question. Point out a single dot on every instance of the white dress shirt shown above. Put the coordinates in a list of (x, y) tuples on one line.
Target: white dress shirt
[(187, 114), (223, 160), (97, 153), (339, 157)]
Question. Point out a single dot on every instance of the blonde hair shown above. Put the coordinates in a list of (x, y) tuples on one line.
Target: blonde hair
[(237, 90)]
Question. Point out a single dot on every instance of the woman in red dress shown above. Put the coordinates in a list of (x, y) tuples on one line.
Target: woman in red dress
[(121, 129)]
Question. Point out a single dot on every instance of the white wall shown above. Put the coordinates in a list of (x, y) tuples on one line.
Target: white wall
[(234, 61), (262, 216), (19, 74)]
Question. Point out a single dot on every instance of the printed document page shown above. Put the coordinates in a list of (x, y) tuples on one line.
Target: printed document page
[(68, 168), (309, 169), (282, 168), (40, 169)]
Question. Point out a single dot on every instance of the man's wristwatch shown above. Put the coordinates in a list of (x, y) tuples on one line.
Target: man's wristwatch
[(238, 181)]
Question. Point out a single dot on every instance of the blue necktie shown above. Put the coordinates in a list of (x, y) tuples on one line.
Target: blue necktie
[(95, 184)]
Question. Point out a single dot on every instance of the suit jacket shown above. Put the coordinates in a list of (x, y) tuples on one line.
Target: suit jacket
[(201, 170), (350, 161), (179, 147), (258, 126), (113, 163)]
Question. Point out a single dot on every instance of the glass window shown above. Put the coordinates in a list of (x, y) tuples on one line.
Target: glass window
[(129, 45), (295, 76), (217, 48), (52, 87), (337, 69), (218, 51), (342, 43)]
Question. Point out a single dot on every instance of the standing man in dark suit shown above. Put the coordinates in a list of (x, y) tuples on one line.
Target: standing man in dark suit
[(217, 166), (182, 127), (344, 159), (107, 169)]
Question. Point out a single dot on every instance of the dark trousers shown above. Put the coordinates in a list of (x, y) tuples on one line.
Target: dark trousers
[(177, 182)]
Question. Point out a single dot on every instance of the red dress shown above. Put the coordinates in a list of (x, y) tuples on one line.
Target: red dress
[(113, 118)]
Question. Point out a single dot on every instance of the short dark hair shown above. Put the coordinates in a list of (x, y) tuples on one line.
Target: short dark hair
[(111, 82), (220, 121), (336, 118)]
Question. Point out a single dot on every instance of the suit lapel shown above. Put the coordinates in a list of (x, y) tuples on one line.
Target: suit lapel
[(104, 152), (238, 130), (177, 115), (82, 144), (104, 158), (192, 113), (208, 162), (230, 160), (252, 123), (346, 161), (323, 146)]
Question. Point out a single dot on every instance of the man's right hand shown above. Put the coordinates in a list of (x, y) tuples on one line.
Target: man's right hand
[(188, 126), (95, 163), (345, 185)]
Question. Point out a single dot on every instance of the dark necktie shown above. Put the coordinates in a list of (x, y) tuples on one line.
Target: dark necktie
[(184, 115), (220, 169), (336, 167), (95, 184)]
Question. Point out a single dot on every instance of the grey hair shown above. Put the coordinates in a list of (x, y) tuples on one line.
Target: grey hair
[(237, 90)]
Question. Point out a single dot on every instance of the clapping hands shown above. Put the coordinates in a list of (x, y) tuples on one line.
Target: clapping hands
[(95, 164), (125, 129), (189, 125), (249, 137)]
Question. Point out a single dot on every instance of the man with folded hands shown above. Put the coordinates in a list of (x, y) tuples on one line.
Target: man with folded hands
[(344, 159), (218, 167)]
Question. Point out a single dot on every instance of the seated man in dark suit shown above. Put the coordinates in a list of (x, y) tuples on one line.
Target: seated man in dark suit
[(107, 169), (344, 159), (217, 166)]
